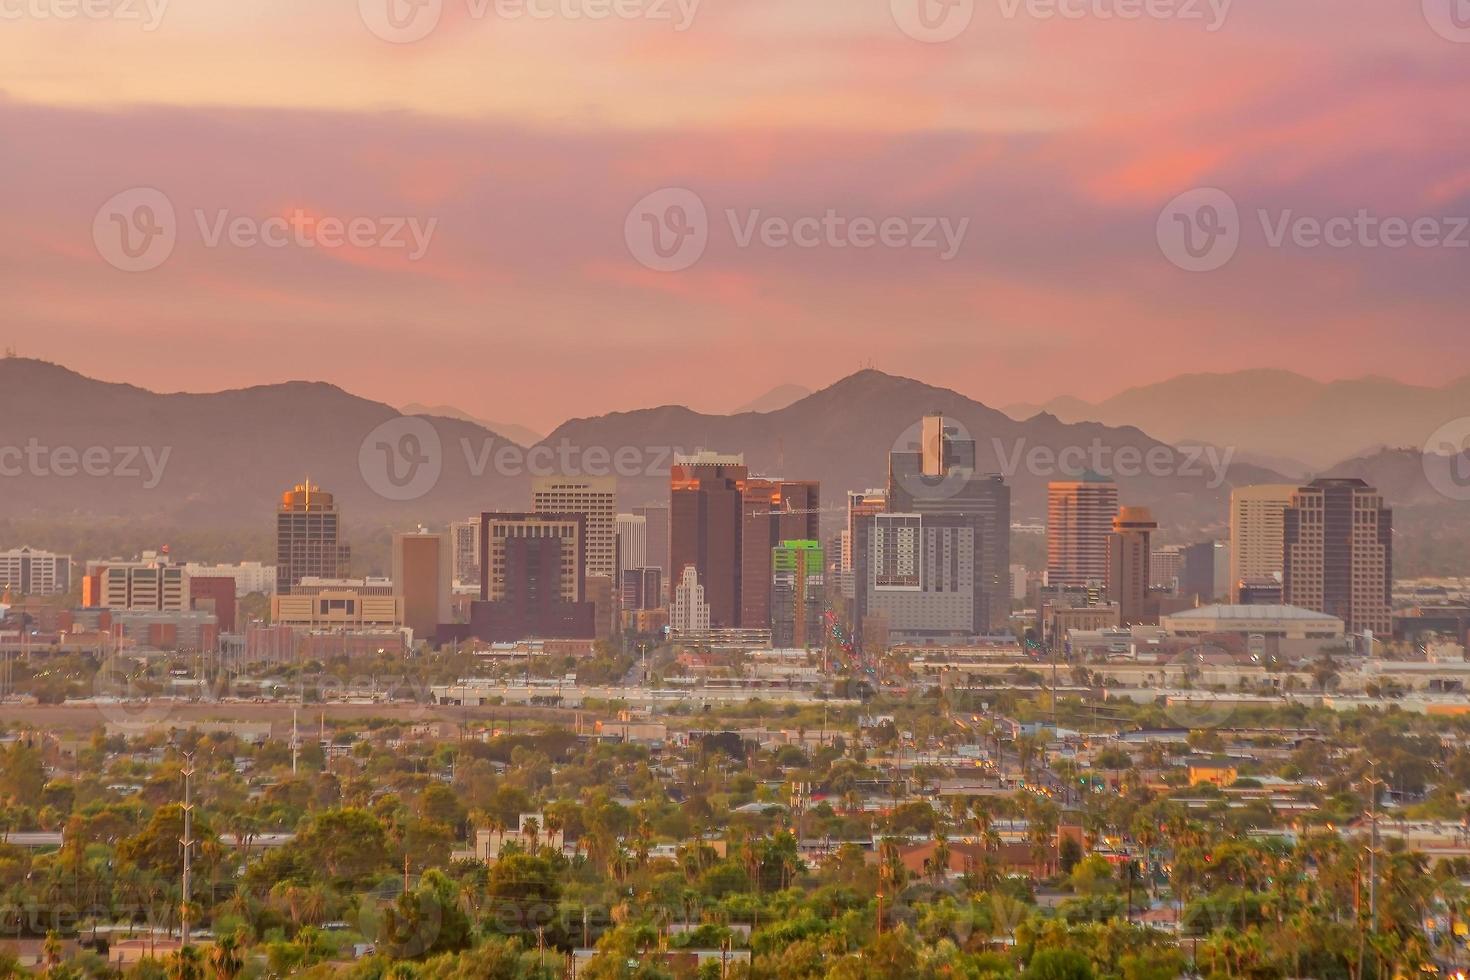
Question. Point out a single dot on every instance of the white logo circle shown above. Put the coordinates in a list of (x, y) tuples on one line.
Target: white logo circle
[(402, 458), (1450, 19), (667, 231), (933, 21), (1199, 230), (136, 230), (401, 21), (1446, 459), (131, 692), (932, 486)]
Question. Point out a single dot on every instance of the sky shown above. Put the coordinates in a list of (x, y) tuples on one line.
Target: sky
[(543, 209)]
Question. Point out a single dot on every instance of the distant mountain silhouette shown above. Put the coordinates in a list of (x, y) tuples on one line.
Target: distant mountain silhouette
[(230, 454), (774, 400), (1276, 414), (518, 434)]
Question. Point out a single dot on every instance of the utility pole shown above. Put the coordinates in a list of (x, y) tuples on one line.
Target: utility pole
[(1373, 783), (295, 741), (188, 842)]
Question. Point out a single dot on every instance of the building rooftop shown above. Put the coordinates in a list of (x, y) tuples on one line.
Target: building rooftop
[(1226, 612)]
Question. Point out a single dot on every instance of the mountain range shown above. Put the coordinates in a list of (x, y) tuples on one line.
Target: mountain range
[(1277, 418), (227, 456)]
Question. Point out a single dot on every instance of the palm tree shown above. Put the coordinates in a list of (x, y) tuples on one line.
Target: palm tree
[(225, 958)]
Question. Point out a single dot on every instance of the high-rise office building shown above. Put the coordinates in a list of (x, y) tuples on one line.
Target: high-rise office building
[(1164, 566), (916, 574), (1337, 555), (771, 511), (1129, 553), (464, 544), (689, 612), (1197, 566), (642, 588), (938, 475), (860, 503), (532, 578), (705, 493), (1079, 518), (632, 532), (1256, 534), (308, 537), (797, 569), (656, 518), (31, 572), (596, 499), (423, 572)]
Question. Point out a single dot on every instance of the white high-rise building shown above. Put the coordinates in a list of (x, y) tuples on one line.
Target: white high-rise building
[(632, 532), (1257, 532), (595, 499), (689, 611), (249, 576), (31, 572)]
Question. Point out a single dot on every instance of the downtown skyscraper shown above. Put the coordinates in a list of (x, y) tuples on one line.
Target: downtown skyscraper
[(938, 477)]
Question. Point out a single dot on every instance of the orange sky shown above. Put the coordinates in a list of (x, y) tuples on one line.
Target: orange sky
[(523, 141)]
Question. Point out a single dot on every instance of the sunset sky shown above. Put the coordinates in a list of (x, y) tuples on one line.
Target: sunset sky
[(527, 140)]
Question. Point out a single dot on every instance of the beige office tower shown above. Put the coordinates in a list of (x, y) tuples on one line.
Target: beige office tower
[(1079, 519), (595, 498), (423, 576), (1256, 531)]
